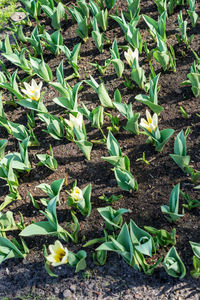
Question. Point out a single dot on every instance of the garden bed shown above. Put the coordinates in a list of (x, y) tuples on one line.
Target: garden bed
[(115, 280)]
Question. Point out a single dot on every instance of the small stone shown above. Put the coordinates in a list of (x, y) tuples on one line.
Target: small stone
[(7, 271), (138, 296), (112, 182), (67, 294), (178, 91), (73, 288), (56, 290), (18, 16)]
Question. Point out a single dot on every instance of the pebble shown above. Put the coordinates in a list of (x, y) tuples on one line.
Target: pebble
[(67, 294), (18, 16), (56, 290), (178, 91), (112, 182), (73, 288)]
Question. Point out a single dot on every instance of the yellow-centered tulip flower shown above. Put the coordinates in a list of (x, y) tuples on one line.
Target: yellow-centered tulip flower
[(59, 254), (32, 91), (151, 123), (77, 194)]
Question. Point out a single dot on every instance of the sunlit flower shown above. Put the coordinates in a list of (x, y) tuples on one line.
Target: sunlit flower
[(77, 194), (152, 122), (75, 121), (33, 90), (59, 254), (130, 55)]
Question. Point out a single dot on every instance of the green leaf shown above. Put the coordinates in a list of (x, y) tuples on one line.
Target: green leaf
[(145, 100), (195, 248), (104, 97), (113, 145), (85, 147), (141, 239), (125, 180), (173, 264), (40, 228), (8, 250)]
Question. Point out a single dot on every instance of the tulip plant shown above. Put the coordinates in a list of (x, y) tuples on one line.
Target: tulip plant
[(157, 137), (163, 55), (33, 8), (161, 237), (82, 8), (115, 59), (8, 174), (48, 160), (132, 118), (53, 190), (60, 255), (194, 78), (121, 164), (113, 218), (190, 203), (101, 91), (12, 249), (133, 37), (83, 26), (157, 27), (173, 264), (3, 144), (69, 99), (19, 131), (97, 36), (55, 13), (72, 57), (152, 100), (54, 124), (75, 131), (171, 211), (10, 84), (183, 30), (172, 4), (18, 59), (101, 16), (161, 6), (51, 226), (133, 9), (196, 259), (53, 42), (180, 151), (41, 69), (80, 199), (137, 72), (35, 42), (192, 13), (5, 45), (132, 243)]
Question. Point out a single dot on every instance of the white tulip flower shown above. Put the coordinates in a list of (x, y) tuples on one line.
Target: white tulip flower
[(75, 121), (77, 194), (59, 254), (32, 91), (130, 55), (152, 122)]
